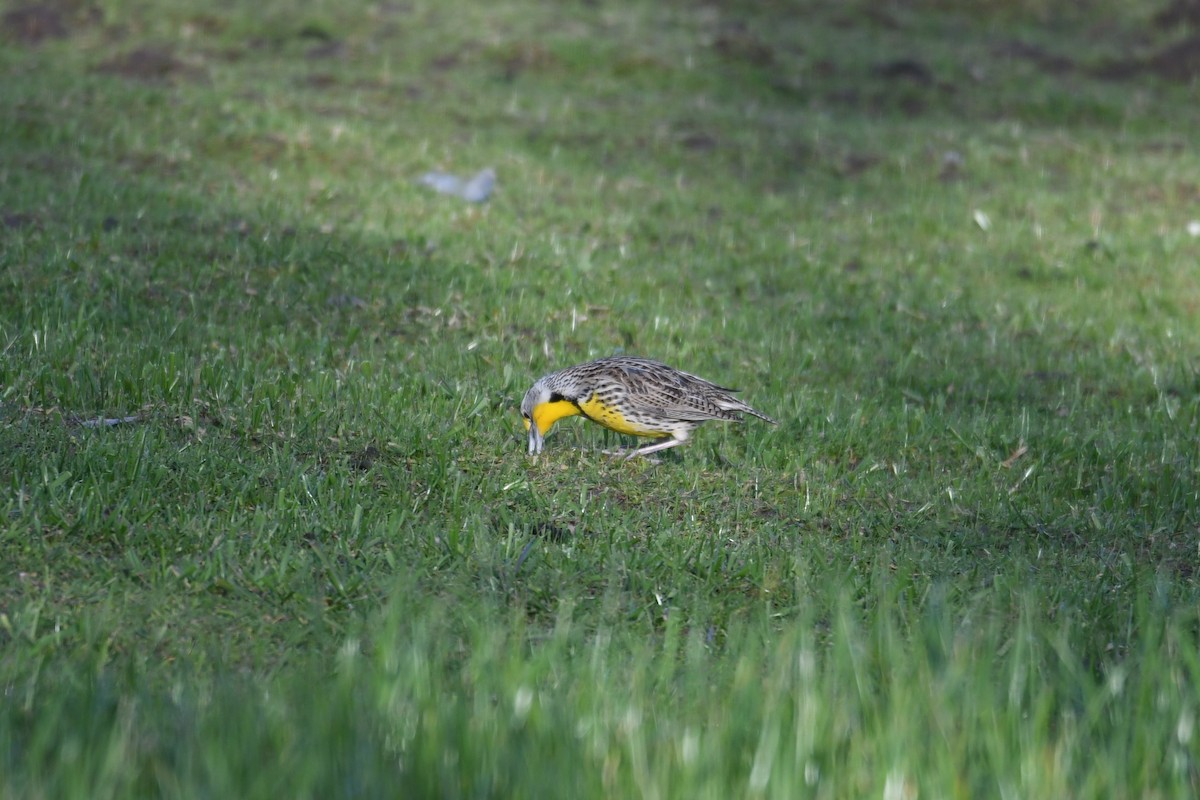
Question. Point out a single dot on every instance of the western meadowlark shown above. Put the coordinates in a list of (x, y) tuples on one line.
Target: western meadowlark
[(630, 395)]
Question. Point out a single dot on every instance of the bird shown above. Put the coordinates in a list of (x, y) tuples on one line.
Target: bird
[(630, 395)]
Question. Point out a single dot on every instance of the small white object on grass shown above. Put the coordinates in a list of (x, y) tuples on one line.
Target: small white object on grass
[(475, 189), (442, 182), (479, 188), (1193, 228), (981, 219)]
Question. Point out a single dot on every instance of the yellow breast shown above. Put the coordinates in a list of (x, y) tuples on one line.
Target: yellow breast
[(611, 417), (547, 414)]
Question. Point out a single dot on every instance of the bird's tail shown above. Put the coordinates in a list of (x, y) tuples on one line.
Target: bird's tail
[(733, 404)]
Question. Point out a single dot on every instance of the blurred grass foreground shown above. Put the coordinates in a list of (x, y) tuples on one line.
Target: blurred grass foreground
[(267, 524)]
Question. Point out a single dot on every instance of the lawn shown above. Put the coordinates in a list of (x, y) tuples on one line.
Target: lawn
[(268, 528)]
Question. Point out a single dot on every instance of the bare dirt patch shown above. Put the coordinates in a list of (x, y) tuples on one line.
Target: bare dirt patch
[(152, 64), (33, 24)]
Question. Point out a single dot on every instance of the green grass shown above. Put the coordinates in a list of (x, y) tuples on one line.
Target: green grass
[(319, 562)]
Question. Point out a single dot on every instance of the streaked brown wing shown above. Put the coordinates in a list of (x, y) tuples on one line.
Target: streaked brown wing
[(661, 391)]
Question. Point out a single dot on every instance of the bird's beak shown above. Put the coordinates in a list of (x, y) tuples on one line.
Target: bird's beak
[(535, 440)]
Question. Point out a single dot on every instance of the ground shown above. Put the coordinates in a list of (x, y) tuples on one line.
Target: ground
[(269, 527)]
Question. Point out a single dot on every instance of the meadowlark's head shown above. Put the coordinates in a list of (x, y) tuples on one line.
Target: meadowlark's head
[(537, 396), (540, 409)]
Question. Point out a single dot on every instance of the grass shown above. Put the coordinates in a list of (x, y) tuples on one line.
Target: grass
[(318, 562)]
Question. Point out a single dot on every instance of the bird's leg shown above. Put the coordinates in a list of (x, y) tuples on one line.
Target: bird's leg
[(625, 455), (654, 448), (646, 451)]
